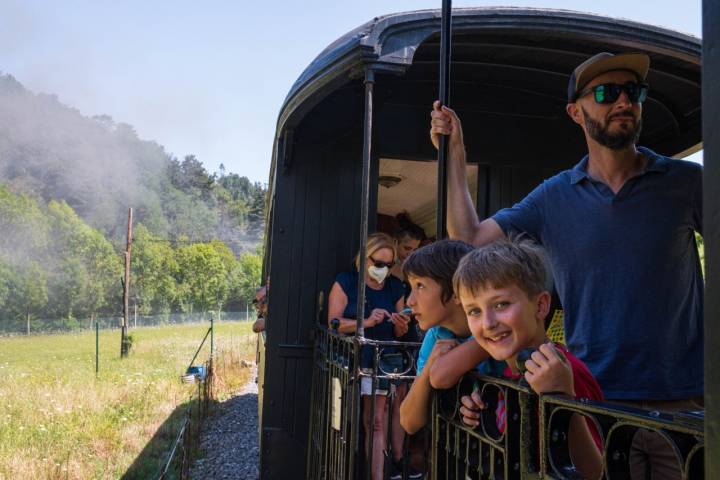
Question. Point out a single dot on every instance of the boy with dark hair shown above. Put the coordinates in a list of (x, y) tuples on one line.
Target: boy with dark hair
[(436, 308), (502, 288)]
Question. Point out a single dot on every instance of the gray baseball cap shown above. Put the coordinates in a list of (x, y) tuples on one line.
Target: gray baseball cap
[(637, 63)]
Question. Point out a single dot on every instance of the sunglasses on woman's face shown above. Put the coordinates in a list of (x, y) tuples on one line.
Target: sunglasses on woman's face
[(381, 264), (610, 92)]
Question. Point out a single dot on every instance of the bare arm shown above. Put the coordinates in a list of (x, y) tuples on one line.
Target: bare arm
[(463, 222), (449, 369), (337, 301), (583, 450), (548, 370), (414, 409)]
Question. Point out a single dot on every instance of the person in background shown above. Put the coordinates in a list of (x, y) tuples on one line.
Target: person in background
[(384, 297), (260, 304), (408, 236)]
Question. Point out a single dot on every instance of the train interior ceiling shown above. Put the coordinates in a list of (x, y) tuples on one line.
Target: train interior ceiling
[(410, 186)]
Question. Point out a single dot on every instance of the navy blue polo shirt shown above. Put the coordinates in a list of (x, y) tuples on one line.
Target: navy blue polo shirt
[(627, 270)]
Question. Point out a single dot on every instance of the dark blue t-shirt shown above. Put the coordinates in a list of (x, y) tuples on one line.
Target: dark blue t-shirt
[(386, 298), (627, 270)]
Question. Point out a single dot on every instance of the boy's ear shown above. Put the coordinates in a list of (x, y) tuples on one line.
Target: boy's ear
[(543, 305), (455, 299)]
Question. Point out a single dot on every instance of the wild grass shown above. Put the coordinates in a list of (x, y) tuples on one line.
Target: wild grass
[(58, 421)]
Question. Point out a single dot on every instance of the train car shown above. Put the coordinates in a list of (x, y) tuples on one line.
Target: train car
[(352, 145)]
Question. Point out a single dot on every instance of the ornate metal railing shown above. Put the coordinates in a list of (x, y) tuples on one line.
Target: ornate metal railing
[(535, 441), (334, 447)]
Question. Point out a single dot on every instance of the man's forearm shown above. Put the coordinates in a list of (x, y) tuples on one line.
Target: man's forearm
[(463, 223)]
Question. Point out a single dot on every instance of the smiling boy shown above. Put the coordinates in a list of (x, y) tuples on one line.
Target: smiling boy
[(502, 291)]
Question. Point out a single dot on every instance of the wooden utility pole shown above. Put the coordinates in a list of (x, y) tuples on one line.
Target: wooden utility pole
[(124, 347)]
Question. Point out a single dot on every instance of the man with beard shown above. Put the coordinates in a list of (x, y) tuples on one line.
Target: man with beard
[(619, 231)]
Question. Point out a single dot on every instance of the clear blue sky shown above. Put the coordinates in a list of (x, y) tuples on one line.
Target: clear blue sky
[(209, 78)]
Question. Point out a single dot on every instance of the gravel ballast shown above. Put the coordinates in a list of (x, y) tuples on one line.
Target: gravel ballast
[(230, 438)]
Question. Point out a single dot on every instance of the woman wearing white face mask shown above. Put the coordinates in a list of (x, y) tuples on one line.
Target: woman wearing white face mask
[(383, 297)]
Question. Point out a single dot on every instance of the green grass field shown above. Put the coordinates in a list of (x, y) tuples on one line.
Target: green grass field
[(58, 421)]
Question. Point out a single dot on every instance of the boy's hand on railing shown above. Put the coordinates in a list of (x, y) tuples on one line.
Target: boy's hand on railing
[(470, 406), (548, 371), (440, 348), (401, 323)]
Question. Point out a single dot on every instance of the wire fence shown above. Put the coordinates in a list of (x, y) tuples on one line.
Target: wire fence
[(187, 442), (44, 326)]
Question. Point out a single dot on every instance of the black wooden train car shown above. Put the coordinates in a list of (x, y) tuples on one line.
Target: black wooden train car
[(367, 97)]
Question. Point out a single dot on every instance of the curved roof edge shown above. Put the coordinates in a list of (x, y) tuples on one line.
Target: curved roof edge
[(389, 42)]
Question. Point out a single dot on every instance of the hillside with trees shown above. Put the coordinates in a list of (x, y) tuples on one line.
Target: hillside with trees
[(66, 182)]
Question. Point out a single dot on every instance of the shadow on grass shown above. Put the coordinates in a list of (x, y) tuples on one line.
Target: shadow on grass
[(152, 459)]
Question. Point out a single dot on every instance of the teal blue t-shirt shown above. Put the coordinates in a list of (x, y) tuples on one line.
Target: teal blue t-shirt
[(488, 367)]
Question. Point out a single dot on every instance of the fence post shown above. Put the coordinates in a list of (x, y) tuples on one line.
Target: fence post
[(97, 348), (212, 336)]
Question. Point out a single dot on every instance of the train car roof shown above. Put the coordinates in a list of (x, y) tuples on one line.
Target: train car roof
[(389, 44)]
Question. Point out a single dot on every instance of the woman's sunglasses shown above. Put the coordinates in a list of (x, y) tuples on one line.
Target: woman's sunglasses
[(381, 264), (609, 92)]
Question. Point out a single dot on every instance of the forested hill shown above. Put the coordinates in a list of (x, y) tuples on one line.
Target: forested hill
[(49, 151), (66, 182)]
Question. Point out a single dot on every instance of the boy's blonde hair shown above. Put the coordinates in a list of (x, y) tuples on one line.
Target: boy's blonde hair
[(501, 264), (377, 241)]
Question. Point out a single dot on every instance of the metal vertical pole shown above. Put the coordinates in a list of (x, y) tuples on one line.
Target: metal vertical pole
[(711, 229), (97, 348), (365, 199), (356, 423), (445, 51), (212, 336)]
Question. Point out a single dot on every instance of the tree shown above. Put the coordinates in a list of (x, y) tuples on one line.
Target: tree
[(24, 228), (84, 280), (29, 294), (203, 278), (6, 275), (189, 217), (249, 275), (257, 210), (190, 176), (23, 244), (154, 272)]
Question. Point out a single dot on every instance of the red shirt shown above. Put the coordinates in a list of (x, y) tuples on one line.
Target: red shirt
[(586, 387)]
